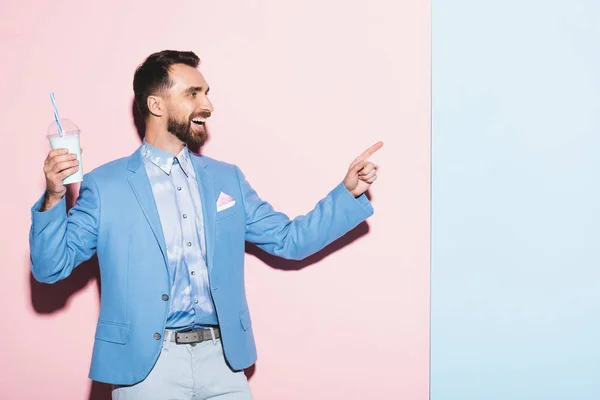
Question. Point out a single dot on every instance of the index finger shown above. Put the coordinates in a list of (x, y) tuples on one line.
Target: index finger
[(370, 151), (56, 152)]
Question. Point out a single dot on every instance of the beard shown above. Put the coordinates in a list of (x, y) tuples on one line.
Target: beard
[(184, 132)]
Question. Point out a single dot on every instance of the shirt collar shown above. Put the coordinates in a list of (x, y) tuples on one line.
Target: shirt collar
[(165, 160)]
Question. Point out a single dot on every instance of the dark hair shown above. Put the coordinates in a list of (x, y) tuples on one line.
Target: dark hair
[(152, 75)]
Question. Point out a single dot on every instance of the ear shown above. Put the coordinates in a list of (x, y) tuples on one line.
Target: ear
[(156, 105)]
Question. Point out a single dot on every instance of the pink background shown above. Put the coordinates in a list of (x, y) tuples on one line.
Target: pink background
[(299, 89)]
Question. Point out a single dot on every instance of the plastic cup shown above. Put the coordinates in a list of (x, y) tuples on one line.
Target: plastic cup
[(68, 140)]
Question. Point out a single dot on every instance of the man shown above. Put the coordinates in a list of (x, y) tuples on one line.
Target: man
[(169, 229)]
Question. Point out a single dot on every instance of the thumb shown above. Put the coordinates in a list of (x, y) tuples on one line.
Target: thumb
[(355, 169)]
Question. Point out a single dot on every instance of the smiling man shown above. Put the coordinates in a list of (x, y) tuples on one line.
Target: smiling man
[(169, 227)]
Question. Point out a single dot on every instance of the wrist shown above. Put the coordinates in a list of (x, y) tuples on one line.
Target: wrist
[(50, 200), (353, 191)]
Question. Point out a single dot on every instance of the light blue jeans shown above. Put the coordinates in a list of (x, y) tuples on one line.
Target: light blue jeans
[(185, 371)]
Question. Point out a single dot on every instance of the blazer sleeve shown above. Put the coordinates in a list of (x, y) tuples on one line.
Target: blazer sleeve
[(58, 243), (298, 238)]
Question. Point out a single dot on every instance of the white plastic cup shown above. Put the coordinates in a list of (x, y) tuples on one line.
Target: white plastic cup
[(68, 140)]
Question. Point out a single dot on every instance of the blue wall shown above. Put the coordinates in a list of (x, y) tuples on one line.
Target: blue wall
[(516, 200)]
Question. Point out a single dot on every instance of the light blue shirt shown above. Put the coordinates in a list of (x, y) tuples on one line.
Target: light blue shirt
[(177, 198)]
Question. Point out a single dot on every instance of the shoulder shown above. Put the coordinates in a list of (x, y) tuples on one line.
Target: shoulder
[(215, 166), (110, 169)]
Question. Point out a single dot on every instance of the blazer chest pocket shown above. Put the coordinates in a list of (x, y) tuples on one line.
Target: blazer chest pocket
[(228, 212)]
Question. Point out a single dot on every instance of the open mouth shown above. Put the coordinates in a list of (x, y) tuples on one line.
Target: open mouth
[(198, 121)]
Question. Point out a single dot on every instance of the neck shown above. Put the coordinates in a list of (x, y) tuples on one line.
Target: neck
[(162, 139)]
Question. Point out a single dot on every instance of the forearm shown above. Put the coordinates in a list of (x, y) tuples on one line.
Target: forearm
[(50, 259), (58, 243), (335, 215), (50, 202)]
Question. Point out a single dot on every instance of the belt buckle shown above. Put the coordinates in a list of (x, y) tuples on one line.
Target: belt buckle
[(195, 337)]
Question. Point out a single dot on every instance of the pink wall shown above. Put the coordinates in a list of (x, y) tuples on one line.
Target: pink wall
[(306, 85)]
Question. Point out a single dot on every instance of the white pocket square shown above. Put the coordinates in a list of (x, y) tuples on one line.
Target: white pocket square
[(224, 202)]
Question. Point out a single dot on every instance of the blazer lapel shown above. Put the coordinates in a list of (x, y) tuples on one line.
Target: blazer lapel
[(143, 192), (209, 207)]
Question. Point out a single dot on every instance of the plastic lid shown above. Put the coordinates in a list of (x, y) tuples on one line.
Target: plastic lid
[(68, 127)]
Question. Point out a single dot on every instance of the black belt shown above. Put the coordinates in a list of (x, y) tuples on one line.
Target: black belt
[(195, 335)]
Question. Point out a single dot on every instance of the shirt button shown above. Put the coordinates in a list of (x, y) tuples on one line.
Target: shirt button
[(165, 297), (189, 244), (157, 336), (196, 301), (193, 272), (184, 215), (179, 188)]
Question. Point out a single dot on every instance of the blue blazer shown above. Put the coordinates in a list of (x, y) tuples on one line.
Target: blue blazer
[(116, 217)]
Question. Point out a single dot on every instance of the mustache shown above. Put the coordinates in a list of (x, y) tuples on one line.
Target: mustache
[(203, 114)]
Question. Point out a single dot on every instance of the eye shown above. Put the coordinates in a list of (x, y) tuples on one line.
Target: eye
[(193, 94)]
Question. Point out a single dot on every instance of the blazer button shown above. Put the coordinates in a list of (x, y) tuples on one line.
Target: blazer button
[(157, 336), (165, 297)]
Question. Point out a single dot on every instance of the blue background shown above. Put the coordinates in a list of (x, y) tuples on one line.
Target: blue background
[(515, 286)]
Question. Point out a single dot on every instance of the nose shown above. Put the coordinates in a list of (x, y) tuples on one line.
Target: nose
[(206, 105)]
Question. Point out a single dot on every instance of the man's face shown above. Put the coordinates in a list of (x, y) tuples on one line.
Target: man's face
[(188, 106)]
